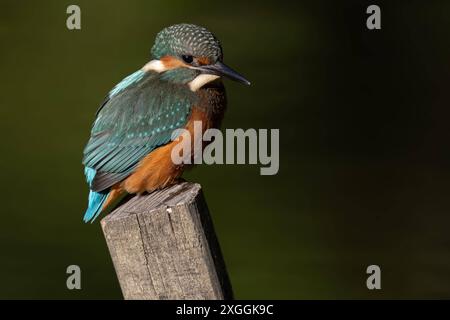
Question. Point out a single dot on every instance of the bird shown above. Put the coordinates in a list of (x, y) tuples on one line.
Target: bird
[(130, 143)]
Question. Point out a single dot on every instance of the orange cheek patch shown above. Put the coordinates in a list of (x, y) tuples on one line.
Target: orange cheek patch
[(203, 61), (172, 63)]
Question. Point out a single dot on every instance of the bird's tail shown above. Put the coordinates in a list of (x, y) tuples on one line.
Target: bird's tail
[(95, 204), (104, 201)]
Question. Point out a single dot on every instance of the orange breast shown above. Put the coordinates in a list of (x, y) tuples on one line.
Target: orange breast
[(157, 170)]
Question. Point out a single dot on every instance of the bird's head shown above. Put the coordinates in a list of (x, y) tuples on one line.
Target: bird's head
[(194, 51)]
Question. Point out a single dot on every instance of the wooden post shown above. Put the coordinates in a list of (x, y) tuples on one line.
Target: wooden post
[(163, 246)]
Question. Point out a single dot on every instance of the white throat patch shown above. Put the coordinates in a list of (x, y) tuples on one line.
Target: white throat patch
[(201, 80)]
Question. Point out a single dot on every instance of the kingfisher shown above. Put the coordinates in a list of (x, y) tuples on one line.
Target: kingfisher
[(131, 141)]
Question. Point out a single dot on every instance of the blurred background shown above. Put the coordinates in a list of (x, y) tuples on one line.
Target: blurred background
[(364, 164)]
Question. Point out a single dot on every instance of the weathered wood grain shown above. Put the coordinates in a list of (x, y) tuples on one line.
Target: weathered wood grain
[(163, 246)]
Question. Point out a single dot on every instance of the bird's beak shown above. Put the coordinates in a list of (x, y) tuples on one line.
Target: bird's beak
[(222, 69)]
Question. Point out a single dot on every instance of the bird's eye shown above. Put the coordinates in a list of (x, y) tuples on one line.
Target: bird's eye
[(187, 58)]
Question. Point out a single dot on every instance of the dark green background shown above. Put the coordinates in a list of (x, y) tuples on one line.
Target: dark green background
[(363, 118)]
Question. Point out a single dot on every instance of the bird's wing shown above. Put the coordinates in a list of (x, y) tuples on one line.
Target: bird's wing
[(138, 115)]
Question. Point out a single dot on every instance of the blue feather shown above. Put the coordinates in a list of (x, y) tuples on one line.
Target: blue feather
[(96, 199), (139, 115), (131, 79)]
